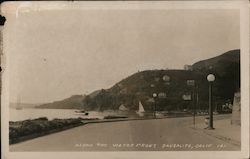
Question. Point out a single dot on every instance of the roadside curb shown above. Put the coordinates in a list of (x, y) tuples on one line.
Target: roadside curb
[(129, 119)]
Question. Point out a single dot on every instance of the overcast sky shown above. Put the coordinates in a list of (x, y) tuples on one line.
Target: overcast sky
[(56, 54)]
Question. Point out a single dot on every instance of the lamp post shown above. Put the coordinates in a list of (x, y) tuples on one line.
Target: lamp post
[(154, 96), (210, 79)]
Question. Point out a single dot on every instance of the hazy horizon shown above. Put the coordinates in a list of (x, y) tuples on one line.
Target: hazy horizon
[(60, 53)]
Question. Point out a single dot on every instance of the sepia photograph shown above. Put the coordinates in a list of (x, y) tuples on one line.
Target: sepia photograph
[(125, 77)]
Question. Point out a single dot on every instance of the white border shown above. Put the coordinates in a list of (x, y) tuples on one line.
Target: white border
[(244, 33)]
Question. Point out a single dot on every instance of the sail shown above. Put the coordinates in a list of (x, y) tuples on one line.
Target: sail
[(141, 109)]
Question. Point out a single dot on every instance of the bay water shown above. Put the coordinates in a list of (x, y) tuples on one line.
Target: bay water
[(33, 113)]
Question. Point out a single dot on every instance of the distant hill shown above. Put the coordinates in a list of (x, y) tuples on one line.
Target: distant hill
[(171, 85), (73, 102), (23, 105)]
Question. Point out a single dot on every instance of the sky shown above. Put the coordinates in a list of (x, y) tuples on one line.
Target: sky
[(55, 54)]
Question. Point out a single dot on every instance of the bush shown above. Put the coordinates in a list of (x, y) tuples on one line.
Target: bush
[(39, 125)]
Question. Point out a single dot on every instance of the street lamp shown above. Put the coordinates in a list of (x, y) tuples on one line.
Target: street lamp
[(210, 79), (154, 96)]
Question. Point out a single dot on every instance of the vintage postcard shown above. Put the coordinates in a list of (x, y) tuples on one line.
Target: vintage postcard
[(125, 79)]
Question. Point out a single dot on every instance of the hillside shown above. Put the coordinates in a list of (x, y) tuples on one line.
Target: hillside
[(226, 68), (171, 85), (229, 57)]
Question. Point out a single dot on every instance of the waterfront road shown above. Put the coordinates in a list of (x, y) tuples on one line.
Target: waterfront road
[(170, 134)]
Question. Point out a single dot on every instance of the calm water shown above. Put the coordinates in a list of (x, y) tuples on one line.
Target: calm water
[(32, 113)]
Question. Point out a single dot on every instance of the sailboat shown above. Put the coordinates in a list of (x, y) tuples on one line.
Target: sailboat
[(141, 110), (19, 107)]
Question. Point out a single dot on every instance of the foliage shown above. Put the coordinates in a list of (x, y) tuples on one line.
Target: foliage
[(40, 125)]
